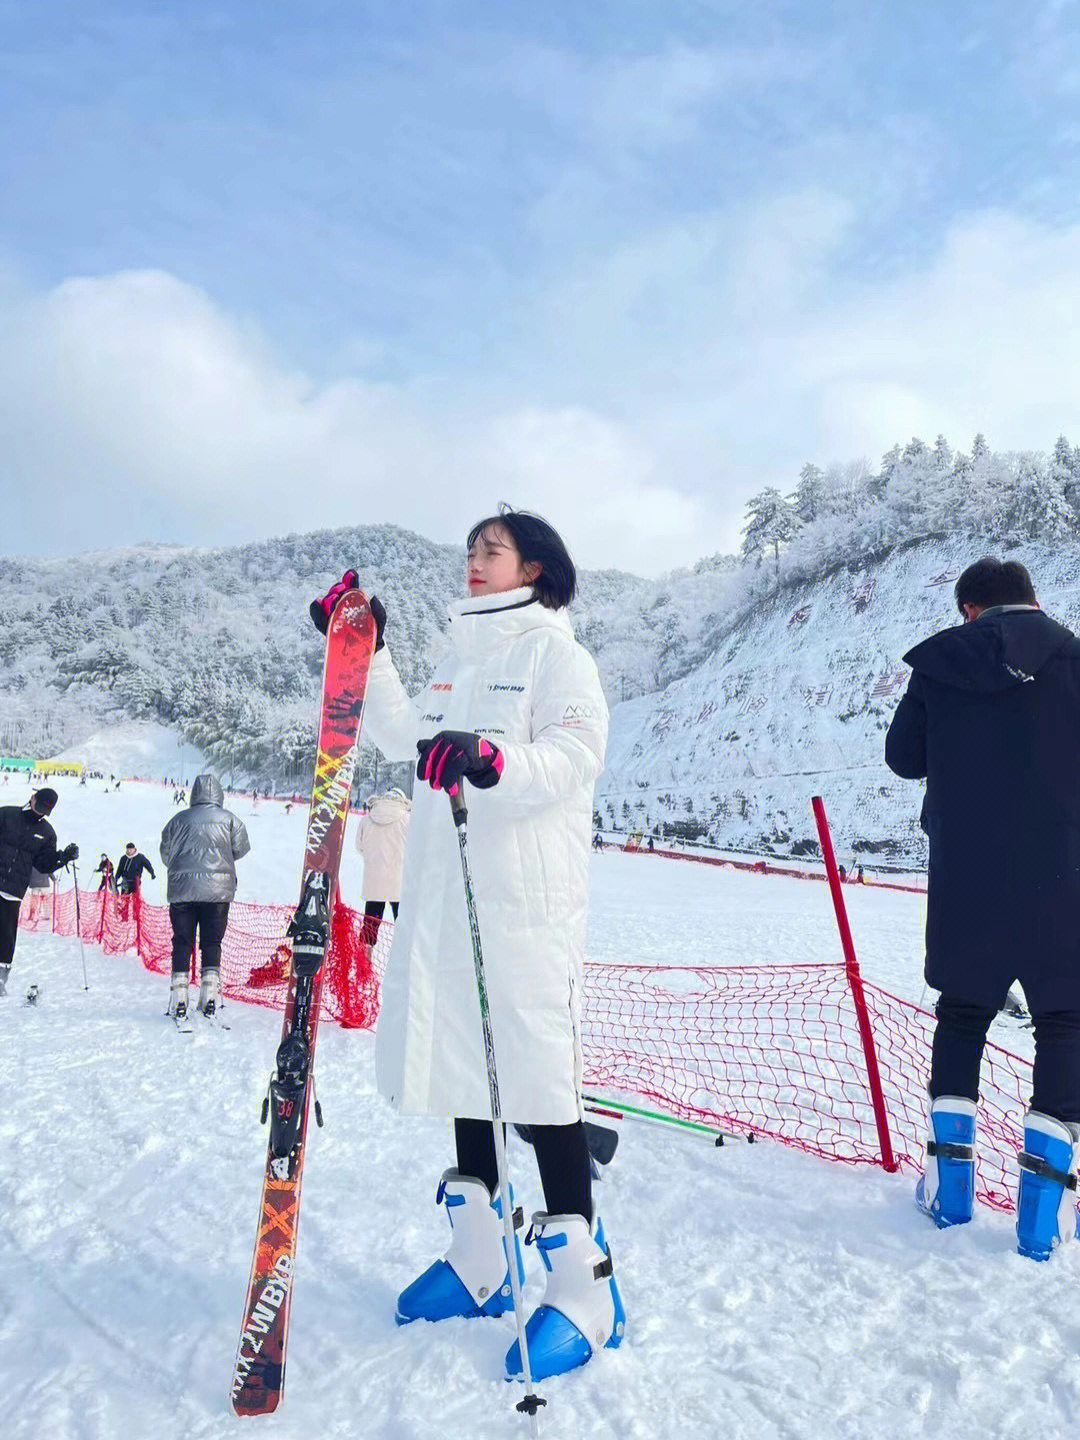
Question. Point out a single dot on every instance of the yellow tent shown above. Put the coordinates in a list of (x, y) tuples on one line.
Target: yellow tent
[(59, 767)]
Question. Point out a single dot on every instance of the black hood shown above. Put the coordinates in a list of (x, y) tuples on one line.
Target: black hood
[(1000, 650)]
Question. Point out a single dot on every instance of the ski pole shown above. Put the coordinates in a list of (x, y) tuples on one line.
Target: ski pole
[(532, 1402), (617, 1110), (78, 924)]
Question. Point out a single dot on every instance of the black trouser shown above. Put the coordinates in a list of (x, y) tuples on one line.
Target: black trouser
[(373, 913), (209, 917), (562, 1157), (958, 1047), (9, 929)]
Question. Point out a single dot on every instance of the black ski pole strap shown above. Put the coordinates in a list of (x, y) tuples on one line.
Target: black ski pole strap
[(950, 1150), (603, 1269), (1036, 1165)]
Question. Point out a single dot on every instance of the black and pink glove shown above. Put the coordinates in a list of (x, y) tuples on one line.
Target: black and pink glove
[(321, 610), (453, 755)]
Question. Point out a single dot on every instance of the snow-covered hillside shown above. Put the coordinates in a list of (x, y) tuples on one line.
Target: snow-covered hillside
[(770, 1295), (138, 747), (796, 702)]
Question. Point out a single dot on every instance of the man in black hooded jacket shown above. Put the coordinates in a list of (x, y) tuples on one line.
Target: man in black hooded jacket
[(27, 843), (991, 719)]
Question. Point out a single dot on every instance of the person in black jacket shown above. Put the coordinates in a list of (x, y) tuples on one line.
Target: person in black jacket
[(129, 871), (27, 843), (991, 719)]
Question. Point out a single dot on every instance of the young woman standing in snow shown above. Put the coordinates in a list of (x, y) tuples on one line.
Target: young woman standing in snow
[(517, 711)]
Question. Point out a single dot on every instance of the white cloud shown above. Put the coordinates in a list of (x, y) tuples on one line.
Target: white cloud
[(664, 387), (156, 416)]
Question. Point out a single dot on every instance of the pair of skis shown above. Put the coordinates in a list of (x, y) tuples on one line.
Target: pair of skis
[(259, 1374)]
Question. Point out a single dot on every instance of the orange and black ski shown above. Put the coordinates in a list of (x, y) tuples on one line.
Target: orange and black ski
[(259, 1376)]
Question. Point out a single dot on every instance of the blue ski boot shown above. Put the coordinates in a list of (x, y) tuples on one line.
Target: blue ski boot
[(474, 1278), (1046, 1205), (946, 1191), (582, 1310)]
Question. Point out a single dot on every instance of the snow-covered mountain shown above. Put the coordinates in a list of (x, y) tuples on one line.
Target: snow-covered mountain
[(738, 686), (217, 646), (795, 701)]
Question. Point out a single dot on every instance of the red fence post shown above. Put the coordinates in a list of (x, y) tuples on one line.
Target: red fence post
[(854, 976)]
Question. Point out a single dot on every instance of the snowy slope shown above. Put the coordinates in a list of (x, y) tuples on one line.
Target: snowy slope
[(769, 1294), (138, 747), (796, 702)]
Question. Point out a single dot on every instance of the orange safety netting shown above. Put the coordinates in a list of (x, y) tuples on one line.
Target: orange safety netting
[(774, 1051)]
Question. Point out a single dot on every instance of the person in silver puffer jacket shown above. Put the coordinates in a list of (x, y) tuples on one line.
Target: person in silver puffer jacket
[(199, 848)]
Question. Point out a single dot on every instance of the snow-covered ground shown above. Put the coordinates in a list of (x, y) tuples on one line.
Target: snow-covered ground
[(769, 1294), (138, 747)]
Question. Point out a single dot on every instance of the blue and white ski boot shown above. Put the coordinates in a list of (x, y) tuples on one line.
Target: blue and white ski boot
[(582, 1310), (474, 1278), (1046, 1204), (946, 1191)]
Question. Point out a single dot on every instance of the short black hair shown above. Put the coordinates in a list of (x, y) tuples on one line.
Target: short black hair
[(994, 582), (537, 543)]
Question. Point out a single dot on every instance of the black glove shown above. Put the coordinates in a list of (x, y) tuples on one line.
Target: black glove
[(452, 754), (69, 853), (321, 610), (378, 614)]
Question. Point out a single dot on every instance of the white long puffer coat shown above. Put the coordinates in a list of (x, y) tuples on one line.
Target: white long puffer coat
[(517, 676), (380, 839)]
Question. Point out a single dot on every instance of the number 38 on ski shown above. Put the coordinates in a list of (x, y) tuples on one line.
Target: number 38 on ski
[(259, 1377)]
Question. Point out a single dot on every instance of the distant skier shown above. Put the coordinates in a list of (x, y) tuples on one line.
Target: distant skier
[(199, 849), (129, 872), (27, 843), (517, 710), (991, 719), (598, 841), (104, 868), (380, 840)]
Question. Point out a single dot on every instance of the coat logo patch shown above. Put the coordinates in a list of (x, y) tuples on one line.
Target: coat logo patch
[(578, 714), (431, 719), (443, 685), (499, 687)]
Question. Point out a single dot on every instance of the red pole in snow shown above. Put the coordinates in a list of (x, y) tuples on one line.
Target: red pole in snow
[(854, 976)]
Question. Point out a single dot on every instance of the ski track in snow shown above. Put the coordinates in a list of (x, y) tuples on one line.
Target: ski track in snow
[(769, 1294)]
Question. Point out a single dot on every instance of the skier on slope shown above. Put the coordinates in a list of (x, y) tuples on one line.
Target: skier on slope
[(199, 849), (104, 868), (991, 719), (129, 871), (517, 710), (27, 843)]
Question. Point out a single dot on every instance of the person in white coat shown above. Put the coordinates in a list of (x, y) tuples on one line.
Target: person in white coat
[(380, 841), (516, 710)]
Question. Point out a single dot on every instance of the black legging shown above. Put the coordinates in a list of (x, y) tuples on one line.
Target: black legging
[(958, 1048), (562, 1157), (373, 914)]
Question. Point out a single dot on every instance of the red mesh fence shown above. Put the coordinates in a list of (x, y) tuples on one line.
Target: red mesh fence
[(773, 1051), (760, 867), (255, 955)]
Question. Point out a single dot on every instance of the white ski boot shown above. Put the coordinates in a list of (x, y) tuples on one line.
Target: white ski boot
[(946, 1189), (210, 992), (582, 1310), (178, 997), (474, 1278), (1046, 1203)]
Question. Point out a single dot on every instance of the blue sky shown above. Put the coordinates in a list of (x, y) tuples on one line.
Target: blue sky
[(623, 263)]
